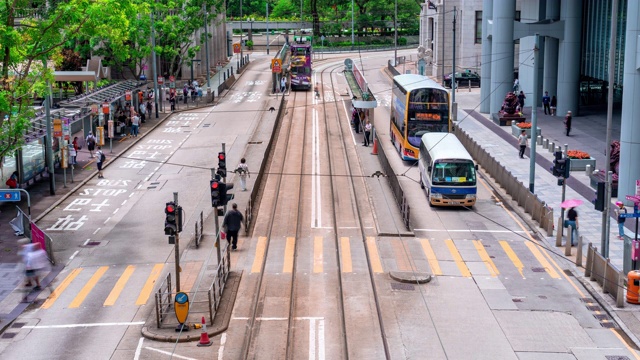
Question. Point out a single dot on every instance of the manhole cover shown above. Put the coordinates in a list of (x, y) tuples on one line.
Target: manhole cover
[(8, 335), (537, 269), (206, 125), (601, 317), (587, 300), (594, 307), (254, 142), (542, 297), (616, 357), (401, 286), (517, 299), (93, 243), (568, 272), (151, 187), (18, 325)]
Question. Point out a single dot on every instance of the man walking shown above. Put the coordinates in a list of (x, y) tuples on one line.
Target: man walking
[(522, 141), (143, 111), (567, 122), (620, 209), (232, 223), (101, 158), (546, 101), (243, 172), (135, 124), (91, 143)]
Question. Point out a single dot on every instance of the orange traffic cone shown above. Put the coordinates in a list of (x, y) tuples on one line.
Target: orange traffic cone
[(375, 147), (204, 337)]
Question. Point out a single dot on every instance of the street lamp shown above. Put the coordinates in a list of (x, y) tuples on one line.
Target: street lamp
[(206, 45), (192, 60)]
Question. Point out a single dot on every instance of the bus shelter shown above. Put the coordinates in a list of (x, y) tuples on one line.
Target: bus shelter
[(362, 98)]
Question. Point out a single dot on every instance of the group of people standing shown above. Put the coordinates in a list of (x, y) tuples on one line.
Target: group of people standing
[(360, 121)]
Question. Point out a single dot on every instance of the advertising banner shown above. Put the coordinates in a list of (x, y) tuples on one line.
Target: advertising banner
[(57, 127)]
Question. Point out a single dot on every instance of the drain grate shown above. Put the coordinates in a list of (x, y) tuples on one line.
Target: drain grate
[(517, 300), (587, 300), (608, 325), (402, 286), (9, 335), (538, 269), (254, 142), (568, 272), (93, 243), (616, 357), (18, 325), (601, 317), (542, 297), (206, 125), (594, 308)]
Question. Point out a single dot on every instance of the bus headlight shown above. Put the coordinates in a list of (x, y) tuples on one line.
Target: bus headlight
[(471, 196), (436, 195)]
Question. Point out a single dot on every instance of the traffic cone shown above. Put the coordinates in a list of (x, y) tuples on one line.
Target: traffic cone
[(204, 337), (375, 147)]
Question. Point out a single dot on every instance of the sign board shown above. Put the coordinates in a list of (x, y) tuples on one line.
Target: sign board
[(57, 127), (635, 199), (276, 66), (37, 236), (145, 67), (94, 109), (637, 187), (110, 129), (630, 215), (160, 80), (181, 307), (64, 154), (66, 129), (236, 48), (172, 82), (100, 135), (127, 95), (9, 195), (105, 107)]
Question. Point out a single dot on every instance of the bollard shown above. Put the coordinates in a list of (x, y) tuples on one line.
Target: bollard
[(588, 170), (559, 232), (552, 147), (579, 252), (539, 140), (567, 243), (545, 144), (514, 123), (469, 85)]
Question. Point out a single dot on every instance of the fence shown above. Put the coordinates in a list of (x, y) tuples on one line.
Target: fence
[(164, 300), (198, 230), (394, 184), (606, 274), (538, 209)]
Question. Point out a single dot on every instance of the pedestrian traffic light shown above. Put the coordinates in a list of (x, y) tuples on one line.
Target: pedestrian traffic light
[(224, 197), (170, 220), (179, 218), (561, 166), (215, 192), (567, 168), (222, 164), (600, 196)]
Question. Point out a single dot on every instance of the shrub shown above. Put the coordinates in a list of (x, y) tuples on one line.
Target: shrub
[(577, 154), (402, 41), (524, 125)]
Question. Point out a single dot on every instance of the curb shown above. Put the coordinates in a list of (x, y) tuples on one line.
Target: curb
[(408, 277)]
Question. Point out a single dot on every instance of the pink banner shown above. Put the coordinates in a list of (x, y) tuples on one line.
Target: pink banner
[(37, 236)]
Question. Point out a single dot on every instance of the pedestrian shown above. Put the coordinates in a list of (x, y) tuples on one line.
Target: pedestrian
[(522, 141), (567, 122), (232, 223), (554, 103), (143, 111), (572, 220), (516, 85), (521, 98), (283, 84), (367, 133), (101, 158), (91, 143), (243, 172), (76, 148), (620, 209), (172, 100), (149, 108), (185, 93), (36, 260), (135, 124), (12, 181), (546, 101)]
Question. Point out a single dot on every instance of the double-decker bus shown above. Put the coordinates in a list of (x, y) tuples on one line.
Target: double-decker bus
[(301, 63), (419, 105), (447, 171)]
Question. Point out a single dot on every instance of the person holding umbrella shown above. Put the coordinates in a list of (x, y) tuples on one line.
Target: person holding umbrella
[(572, 218)]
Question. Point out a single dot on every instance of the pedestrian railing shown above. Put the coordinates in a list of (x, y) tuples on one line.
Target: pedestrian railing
[(396, 188), (605, 274), (540, 212), (199, 225), (218, 283), (164, 300)]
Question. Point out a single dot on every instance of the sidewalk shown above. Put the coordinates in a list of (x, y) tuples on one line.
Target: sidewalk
[(587, 135), (42, 202)]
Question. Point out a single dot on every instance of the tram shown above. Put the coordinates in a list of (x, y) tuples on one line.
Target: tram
[(301, 63)]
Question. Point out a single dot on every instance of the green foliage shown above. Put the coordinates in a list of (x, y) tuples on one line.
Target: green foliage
[(249, 44), (402, 41)]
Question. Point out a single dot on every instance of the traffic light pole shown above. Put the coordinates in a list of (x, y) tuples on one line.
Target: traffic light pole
[(217, 223), (606, 219), (177, 249), (224, 179), (564, 187)]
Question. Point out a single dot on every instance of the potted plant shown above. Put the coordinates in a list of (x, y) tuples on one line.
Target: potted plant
[(249, 44), (580, 160), (517, 127)]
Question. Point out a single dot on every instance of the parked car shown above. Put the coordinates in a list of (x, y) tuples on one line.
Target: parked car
[(463, 79)]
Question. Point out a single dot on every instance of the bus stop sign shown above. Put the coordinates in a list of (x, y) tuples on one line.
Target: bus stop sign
[(276, 66)]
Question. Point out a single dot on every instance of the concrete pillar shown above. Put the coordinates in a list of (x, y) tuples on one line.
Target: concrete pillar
[(550, 72), (485, 68), (630, 127), (569, 57), (502, 52)]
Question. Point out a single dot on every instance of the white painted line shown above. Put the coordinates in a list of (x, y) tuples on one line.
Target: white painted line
[(353, 135), (168, 353), (471, 230), (156, 169), (309, 318), (86, 242), (74, 255), (70, 326), (223, 340), (115, 211), (139, 186), (312, 340), (109, 218), (130, 195), (138, 349), (124, 202), (321, 340), (98, 229), (262, 319)]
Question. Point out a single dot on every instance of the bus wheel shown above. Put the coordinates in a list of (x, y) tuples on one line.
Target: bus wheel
[(421, 183)]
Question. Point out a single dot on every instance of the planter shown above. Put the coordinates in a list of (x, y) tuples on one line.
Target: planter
[(515, 131), (500, 120), (598, 176), (581, 164)]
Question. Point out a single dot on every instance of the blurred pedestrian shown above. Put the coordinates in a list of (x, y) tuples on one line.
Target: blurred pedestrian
[(91, 143), (521, 98), (36, 261), (283, 84), (135, 124), (243, 172), (77, 148), (572, 220), (185, 93), (232, 223), (516, 85), (367, 133), (12, 181), (172, 100), (554, 104), (143, 111), (101, 158), (546, 101), (522, 141), (149, 108), (567, 122), (620, 209)]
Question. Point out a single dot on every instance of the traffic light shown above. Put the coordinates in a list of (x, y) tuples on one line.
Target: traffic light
[(567, 168), (561, 166), (222, 164), (179, 218), (224, 197), (170, 220), (215, 192), (600, 196)]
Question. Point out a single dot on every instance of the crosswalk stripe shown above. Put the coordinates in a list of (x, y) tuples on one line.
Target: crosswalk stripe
[(431, 257), (486, 258), (261, 246), (62, 287), (464, 270), (88, 287), (402, 261), (289, 251), (543, 261), (346, 255), (512, 255), (148, 286), (376, 264), (117, 289), (317, 254)]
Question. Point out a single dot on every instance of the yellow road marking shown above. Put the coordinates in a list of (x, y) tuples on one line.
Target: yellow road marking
[(542, 260), (376, 264), (512, 255), (346, 255), (260, 249), (486, 258), (289, 249), (631, 350), (431, 257), (400, 255), (464, 270), (88, 287), (62, 287), (317, 254), (148, 286), (117, 289)]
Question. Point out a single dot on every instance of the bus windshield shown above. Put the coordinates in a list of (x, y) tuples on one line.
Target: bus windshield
[(453, 172), (417, 128)]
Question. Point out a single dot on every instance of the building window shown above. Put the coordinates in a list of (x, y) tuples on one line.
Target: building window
[(478, 39)]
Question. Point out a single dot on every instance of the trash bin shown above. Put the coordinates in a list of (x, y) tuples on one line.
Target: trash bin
[(633, 287)]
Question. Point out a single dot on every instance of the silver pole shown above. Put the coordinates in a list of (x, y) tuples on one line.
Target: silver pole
[(155, 73), (241, 52), (267, 6), (216, 223), (177, 247), (534, 115), (353, 39), (206, 46), (395, 34), (453, 63)]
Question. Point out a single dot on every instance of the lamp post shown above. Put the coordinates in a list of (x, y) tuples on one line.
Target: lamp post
[(241, 53), (353, 41), (192, 60), (267, 6), (395, 34), (155, 73), (206, 46)]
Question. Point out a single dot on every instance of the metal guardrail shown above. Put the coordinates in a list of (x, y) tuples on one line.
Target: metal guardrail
[(605, 274), (162, 306), (540, 212), (199, 230), (218, 283), (394, 184)]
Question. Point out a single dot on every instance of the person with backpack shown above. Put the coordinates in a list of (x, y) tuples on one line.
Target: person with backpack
[(620, 209), (243, 172), (101, 158), (232, 223), (91, 143)]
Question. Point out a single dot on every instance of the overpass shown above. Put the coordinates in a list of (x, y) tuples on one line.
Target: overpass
[(262, 25)]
